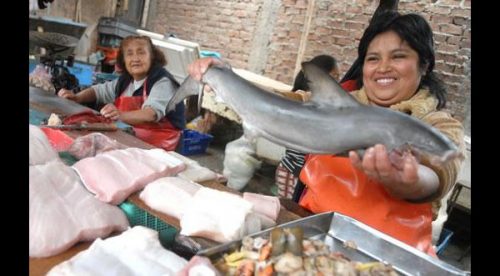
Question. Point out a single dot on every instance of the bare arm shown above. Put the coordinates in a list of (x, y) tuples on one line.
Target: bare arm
[(85, 96), (145, 115)]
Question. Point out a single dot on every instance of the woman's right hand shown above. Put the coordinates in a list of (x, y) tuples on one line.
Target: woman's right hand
[(67, 94), (198, 67)]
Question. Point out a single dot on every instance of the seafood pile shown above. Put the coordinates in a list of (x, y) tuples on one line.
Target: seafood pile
[(288, 253)]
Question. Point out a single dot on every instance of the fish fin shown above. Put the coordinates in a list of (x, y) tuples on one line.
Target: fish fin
[(189, 87), (324, 89)]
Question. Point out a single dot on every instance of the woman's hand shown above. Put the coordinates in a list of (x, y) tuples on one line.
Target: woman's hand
[(405, 178), (110, 111), (198, 67), (67, 94)]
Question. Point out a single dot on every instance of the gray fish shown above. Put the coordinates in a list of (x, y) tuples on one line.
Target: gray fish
[(332, 122)]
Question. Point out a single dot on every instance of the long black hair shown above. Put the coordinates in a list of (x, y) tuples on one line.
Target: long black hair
[(415, 30), (325, 62)]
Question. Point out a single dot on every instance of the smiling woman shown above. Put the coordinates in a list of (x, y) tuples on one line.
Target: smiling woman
[(396, 193), (140, 95)]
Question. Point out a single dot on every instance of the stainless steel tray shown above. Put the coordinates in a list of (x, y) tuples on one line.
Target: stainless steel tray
[(334, 229)]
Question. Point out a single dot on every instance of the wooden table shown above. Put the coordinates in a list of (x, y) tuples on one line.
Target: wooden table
[(47, 103)]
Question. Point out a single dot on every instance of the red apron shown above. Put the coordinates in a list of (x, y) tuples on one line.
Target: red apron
[(333, 184), (161, 134)]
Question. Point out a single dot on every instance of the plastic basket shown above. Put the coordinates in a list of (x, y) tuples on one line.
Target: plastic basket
[(194, 142), (137, 216), (444, 240)]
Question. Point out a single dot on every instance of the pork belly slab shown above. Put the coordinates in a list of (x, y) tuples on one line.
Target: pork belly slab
[(114, 175), (136, 251), (170, 195), (41, 151), (62, 212), (216, 215), (194, 171)]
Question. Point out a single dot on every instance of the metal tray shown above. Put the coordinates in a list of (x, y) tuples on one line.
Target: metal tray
[(334, 229)]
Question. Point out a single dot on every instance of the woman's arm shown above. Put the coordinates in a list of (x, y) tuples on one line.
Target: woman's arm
[(404, 179), (85, 96)]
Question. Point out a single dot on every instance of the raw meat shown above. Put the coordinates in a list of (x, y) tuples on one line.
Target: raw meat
[(268, 206), (216, 215), (114, 175), (41, 151), (195, 172), (170, 195), (136, 251), (62, 212), (92, 144), (86, 116)]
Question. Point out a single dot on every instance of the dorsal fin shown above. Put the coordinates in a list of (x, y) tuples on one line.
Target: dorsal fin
[(324, 89)]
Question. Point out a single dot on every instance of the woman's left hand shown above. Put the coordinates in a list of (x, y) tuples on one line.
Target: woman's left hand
[(401, 179), (110, 111)]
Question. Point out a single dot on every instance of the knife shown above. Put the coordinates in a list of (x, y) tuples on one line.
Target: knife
[(83, 126)]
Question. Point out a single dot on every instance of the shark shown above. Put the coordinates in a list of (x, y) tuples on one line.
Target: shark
[(331, 122)]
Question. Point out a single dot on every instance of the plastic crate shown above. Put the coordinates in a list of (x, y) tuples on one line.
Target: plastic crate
[(193, 142), (137, 216), (444, 240)]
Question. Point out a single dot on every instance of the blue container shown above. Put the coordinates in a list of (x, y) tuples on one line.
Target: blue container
[(443, 241), (193, 142), (83, 72)]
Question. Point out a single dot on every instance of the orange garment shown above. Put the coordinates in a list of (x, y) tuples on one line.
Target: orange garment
[(161, 134), (333, 184)]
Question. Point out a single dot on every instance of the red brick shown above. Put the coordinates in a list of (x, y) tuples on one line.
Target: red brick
[(448, 48), (451, 29), (454, 40), (439, 10), (461, 12), (439, 19), (240, 13), (465, 43)]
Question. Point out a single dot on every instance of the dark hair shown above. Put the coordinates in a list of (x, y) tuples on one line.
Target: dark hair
[(415, 30), (157, 56), (325, 62)]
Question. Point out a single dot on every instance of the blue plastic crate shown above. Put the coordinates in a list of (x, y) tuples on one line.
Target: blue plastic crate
[(193, 142), (444, 240)]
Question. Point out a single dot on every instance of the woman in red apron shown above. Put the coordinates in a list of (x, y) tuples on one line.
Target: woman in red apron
[(140, 95), (385, 190)]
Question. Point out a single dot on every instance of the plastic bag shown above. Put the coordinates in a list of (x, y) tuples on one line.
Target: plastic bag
[(240, 163), (40, 78)]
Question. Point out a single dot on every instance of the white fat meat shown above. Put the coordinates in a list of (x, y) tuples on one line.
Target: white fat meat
[(136, 251), (265, 205), (114, 175), (216, 215), (41, 151), (62, 212), (169, 195), (195, 172)]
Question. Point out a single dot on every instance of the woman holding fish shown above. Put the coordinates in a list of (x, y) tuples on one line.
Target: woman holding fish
[(140, 95), (396, 191)]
